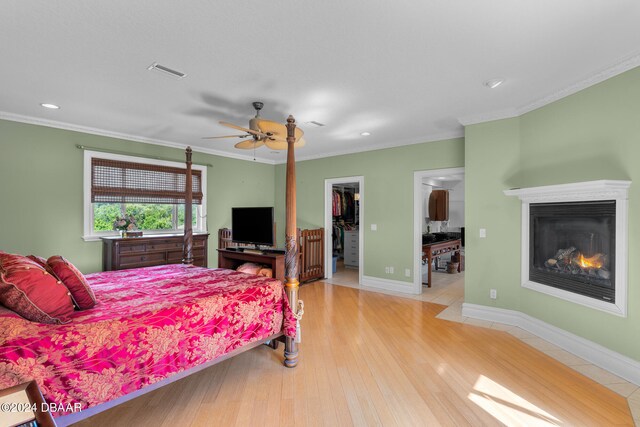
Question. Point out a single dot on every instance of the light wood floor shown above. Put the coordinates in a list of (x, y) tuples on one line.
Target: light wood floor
[(374, 359)]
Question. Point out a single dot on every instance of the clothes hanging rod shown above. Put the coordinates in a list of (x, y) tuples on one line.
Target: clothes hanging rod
[(124, 153)]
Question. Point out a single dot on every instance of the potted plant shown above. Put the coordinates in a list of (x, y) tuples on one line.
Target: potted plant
[(125, 225)]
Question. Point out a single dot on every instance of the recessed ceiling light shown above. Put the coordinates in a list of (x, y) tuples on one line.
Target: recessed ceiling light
[(51, 106), (365, 133), (493, 83)]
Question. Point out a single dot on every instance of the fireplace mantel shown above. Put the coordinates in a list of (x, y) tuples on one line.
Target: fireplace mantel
[(578, 192), (574, 192)]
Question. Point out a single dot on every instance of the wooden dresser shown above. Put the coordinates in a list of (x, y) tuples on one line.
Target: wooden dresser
[(120, 253)]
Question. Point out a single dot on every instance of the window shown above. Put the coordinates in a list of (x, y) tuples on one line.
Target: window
[(152, 191)]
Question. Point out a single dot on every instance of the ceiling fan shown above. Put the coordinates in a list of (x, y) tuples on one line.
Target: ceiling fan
[(262, 132)]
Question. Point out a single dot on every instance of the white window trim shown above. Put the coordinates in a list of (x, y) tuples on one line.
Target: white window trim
[(91, 235)]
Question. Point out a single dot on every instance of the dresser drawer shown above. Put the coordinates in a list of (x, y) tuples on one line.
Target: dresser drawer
[(177, 255), (148, 258), (164, 246), (351, 238), (351, 260), (125, 249)]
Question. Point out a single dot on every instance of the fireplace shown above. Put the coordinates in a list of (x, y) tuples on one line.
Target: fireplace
[(574, 242), (572, 247)]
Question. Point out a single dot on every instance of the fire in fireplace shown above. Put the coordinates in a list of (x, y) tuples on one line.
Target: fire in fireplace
[(572, 247)]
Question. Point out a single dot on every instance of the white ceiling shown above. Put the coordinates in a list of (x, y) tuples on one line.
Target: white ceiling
[(406, 71)]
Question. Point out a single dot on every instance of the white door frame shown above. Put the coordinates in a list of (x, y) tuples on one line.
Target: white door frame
[(417, 219), (328, 224)]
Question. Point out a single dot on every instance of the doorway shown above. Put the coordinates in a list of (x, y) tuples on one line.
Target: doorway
[(431, 187), (344, 213)]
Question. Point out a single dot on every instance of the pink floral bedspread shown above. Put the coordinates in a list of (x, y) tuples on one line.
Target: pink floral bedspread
[(149, 323)]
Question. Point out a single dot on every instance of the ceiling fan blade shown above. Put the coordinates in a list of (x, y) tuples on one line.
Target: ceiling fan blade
[(249, 144), (226, 136), (276, 145), (272, 128), (252, 132), (276, 130), (282, 145)]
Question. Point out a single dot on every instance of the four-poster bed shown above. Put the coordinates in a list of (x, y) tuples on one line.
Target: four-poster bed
[(155, 325)]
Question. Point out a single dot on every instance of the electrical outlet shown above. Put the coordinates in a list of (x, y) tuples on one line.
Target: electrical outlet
[(390, 270), (386, 270), (407, 272), (483, 233), (374, 227), (493, 294)]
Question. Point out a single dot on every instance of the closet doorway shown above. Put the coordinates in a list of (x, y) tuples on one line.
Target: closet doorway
[(344, 213)]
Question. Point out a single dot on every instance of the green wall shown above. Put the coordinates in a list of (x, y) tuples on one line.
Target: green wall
[(387, 198), (593, 134), (41, 172)]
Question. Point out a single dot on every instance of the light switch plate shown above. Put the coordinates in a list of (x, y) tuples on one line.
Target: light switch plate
[(374, 227), (483, 233)]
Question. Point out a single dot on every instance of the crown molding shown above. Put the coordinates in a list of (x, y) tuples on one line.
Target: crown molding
[(600, 76), (403, 143), (488, 117), (619, 68), (110, 134)]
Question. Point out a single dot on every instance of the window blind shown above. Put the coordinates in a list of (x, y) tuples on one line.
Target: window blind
[(114, 181)]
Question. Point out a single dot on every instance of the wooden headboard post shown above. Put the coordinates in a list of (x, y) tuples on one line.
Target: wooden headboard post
[(291, 242), (187, 257)]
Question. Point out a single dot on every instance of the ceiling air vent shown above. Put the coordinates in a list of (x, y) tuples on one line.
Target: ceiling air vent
[(313, 122), (166, 71)]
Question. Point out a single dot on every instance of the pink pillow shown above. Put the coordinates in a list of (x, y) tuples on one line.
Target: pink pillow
[(249, 268), (74, 280), (30, 291)]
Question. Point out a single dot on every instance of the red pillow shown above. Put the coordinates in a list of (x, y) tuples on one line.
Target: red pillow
[(42, 262), (30, 291), (74, 280)]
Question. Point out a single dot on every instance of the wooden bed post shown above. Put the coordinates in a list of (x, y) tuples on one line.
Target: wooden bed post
[(291, 242), (187, 257)]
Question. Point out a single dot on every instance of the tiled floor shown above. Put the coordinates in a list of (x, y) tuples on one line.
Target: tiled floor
[(448, 289)]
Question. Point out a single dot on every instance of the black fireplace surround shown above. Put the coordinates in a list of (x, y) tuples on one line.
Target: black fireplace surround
[(572, 247)]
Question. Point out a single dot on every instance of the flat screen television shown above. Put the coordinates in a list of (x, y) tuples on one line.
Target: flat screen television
[(252, 225)]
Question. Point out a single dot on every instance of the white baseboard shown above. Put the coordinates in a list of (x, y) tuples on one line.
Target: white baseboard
[(387, 284), (603, 357)]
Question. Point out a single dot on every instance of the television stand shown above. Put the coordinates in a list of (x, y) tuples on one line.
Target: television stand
[(252, 251), (232, 259)]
